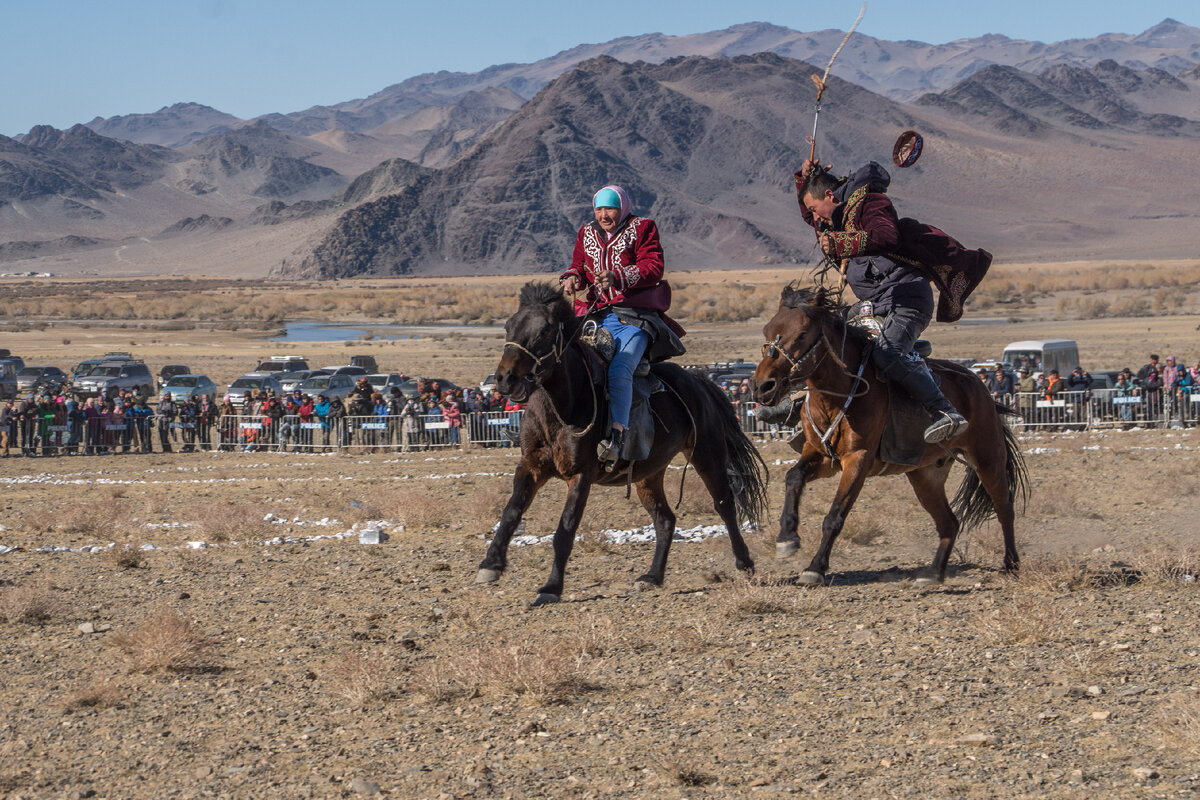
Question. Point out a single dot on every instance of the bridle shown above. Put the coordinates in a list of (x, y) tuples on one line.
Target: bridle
[(773, 350), (561, 343), (556, 350)]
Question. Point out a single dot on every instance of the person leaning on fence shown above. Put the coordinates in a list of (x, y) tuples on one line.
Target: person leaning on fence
[(1151, 383), (1002, 386), (205, 419), (395, 405), (453, 415), (1170, 374), (1185, 387), (410, 419), (143, 417), (227, 425), (1124, 388), (8, 425), (1054, 387), (91, 426)]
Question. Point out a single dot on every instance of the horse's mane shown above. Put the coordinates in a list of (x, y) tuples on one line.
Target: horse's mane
[(820, 303), (540, 293), (545, 293)]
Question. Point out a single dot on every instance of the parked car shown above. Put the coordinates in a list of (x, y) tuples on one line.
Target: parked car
[(112, 375), (34, 379), (81, 369), (84, 367), (487, 384), (383, 382), (8, 380), (290, 380), (252, 382), (366, 362), (16, 362), (409, 387), (347, 369), (1043, 355), (170, 371), (185, 387), (332, 386), (283, 364)]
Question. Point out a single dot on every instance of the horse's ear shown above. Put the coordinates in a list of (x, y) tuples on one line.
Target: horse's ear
[(818, 298)]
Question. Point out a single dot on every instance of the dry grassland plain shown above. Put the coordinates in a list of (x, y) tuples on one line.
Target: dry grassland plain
[(275, 663)]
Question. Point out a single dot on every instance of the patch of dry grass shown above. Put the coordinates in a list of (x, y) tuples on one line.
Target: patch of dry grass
[(360, 677), (539, 669), (127, 555), (1161, 565), (1178, 722), (33, 604), (166, 641), (863, 529), (104, 694), (229, 522), (747, 597), (109, 518), (595, 540), (682, 770), (1023, 618)]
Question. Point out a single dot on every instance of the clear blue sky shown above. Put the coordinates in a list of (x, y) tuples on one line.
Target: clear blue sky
[(67, 61)]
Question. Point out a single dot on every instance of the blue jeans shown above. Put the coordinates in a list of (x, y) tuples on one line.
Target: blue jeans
[(631, 345)]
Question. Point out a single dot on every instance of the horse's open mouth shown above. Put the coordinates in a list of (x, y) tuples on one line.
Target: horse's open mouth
[(520, 392)]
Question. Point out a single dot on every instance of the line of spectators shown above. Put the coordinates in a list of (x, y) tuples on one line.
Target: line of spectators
[(59, 424)]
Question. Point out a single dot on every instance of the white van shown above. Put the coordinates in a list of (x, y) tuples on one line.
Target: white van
[(1043, 355)]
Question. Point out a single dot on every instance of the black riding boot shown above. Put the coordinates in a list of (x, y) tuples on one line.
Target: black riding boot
[(915, 379)]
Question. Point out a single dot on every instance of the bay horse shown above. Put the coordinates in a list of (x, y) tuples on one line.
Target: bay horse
[(845, 412), (545, 366)]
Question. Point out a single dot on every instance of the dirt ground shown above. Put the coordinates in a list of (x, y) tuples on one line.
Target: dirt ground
[(277, 656), (269, 664)]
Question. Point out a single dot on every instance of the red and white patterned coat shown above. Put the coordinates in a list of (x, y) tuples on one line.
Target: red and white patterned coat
[(634, 253)]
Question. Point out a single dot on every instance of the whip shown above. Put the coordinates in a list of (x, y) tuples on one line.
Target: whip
[(819, 81)]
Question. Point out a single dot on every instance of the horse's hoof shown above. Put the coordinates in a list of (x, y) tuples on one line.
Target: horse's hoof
[(925, 580), (544, 599), (487, 576), (646, 583), (810, 578), (786, 549)]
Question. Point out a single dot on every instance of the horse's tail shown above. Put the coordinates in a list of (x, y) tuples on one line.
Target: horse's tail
[(972, 504), (746, 469)]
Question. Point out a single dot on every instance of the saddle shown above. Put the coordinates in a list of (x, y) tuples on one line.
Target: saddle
[(599, 347), (903, 440)]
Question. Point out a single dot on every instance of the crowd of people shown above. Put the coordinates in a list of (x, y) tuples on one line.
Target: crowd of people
[(1160, 392), (57, 423)]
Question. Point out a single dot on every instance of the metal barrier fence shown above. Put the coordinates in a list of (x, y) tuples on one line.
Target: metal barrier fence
[(1093, 409), (1105, 408)]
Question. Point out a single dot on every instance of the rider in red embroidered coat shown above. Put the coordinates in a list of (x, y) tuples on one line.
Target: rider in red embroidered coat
[(618, 259)]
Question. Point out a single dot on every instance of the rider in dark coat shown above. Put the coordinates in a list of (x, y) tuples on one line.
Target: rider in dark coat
[(890, 262)]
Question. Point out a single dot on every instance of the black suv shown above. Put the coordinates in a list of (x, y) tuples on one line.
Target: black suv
[(35, 380)]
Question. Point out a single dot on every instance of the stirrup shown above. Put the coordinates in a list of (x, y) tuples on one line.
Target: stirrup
[(609, 450), (948, 425)]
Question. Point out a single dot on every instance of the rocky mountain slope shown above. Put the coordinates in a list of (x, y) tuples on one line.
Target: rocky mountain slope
[(487, 183), (903, 70), (708, 146), (1107, 96)]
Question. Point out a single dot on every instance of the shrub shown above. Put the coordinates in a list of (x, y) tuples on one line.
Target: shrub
[(164, 641)]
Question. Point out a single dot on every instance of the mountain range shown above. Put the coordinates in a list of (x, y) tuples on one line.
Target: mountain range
[(1027, 145)]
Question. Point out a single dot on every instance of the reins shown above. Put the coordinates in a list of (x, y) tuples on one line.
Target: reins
[(557, 350)]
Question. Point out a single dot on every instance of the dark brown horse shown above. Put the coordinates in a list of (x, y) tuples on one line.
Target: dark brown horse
[(545, 366), (844, 417)]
